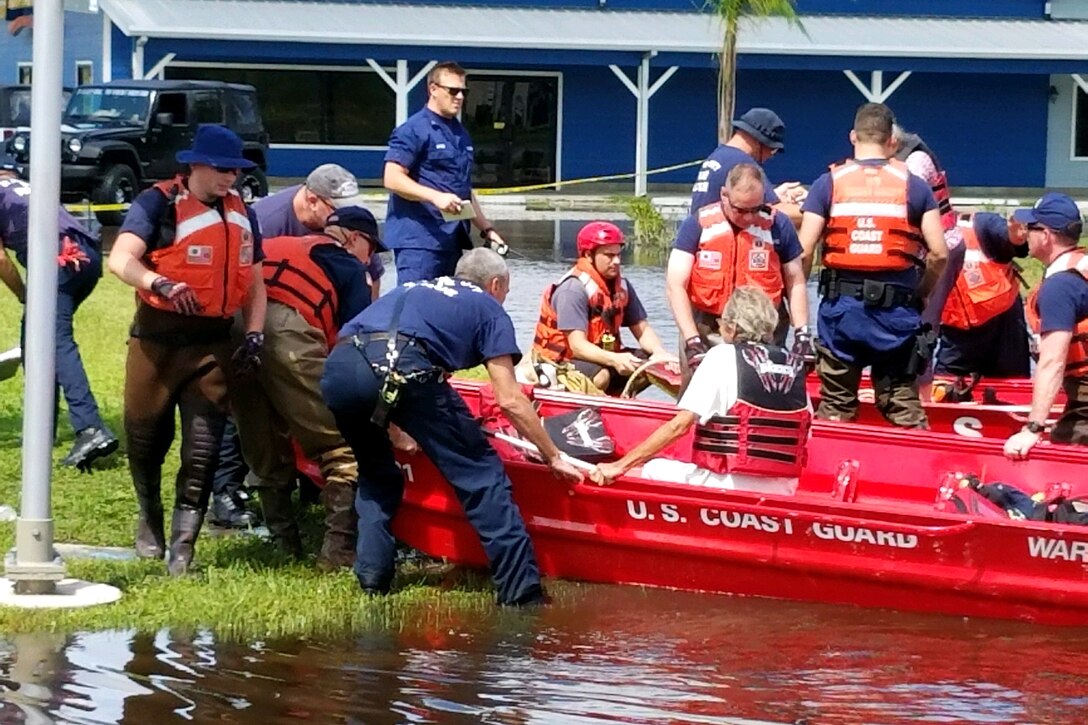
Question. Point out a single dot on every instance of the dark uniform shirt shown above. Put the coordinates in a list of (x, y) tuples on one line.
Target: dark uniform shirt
[(348, 278), (847, 326), (1063, 302), (14, 220), (437, 152), (461, 325), (708, 184), (571, 304), (276, 214)]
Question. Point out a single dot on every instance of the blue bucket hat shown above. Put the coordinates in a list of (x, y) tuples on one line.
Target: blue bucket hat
[(765, 126), (215, 146), (1054, 211)]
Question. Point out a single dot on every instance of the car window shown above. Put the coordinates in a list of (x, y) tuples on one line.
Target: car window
[(173, 103), (19, 101), (243, 114), (206, 108)]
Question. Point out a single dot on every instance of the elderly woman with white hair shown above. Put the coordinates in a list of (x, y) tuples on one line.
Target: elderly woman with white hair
[(748, 404)]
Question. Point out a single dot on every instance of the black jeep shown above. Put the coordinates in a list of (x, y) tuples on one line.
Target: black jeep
[(118, 138)]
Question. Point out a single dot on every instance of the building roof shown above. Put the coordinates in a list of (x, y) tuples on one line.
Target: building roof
[(597, 30)]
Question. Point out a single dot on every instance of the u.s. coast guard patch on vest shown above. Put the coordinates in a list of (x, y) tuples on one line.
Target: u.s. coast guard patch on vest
[(199, 254), (758, 259), (709, 259)]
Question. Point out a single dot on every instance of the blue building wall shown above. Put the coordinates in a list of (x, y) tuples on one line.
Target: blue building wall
[(82, 41)]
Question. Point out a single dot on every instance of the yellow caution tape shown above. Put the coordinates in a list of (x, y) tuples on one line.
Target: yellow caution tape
[(586, 180), (89, 207)]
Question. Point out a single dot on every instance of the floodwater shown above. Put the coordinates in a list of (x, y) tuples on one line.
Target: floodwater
[(599, 654)]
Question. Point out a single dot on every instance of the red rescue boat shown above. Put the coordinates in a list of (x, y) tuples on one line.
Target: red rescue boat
[(870, 525)]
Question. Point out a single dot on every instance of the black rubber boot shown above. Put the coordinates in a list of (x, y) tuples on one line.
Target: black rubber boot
[(341, 527), (183, 532), (90, 445), (146, 446), (279, 516)]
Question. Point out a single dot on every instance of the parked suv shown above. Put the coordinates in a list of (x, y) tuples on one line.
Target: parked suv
[(15, 108), (118, 138)]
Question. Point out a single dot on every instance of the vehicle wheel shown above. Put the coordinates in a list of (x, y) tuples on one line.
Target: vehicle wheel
[(252, 184), (118, 186)]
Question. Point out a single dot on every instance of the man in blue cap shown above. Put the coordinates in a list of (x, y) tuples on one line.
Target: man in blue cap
[(1058, 313), (315, 284), (758, 135), (428, 172), (192, 250)]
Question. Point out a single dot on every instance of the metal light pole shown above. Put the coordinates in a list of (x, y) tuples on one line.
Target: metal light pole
[(33, 566)]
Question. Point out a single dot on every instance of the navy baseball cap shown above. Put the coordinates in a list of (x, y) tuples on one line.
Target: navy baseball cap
[(357, 219), (765, 126), (1054, 211)]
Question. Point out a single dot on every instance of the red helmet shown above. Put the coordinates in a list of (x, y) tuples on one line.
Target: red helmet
[(598, 234)]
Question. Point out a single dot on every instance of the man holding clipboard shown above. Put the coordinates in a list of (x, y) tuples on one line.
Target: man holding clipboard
[(428, 172)]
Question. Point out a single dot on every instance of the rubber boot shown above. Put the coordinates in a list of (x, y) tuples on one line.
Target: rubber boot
[(150, 539), (279, 517), (341, 527), (183, 533)]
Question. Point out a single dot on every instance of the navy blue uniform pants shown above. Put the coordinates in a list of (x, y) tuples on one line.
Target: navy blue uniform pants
[(73, 287), (995, 349), (436, 417), (416, 265)]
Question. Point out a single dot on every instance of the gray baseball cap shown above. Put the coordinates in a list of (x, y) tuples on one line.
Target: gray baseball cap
[(336, 184)]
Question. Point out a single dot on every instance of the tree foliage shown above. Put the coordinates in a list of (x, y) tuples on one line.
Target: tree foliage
[(730, 12)]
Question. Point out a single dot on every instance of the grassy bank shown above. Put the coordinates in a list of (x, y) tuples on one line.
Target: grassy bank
[(243, 588)]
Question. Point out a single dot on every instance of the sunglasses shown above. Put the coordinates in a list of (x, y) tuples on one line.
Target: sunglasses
[(226, 170), (1036, 228), (761, 209), (454, 90)]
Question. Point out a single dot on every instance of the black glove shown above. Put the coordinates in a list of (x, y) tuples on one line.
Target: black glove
[(802, 346), (179, 294), (694, 350), (925, 342), (246, 360)]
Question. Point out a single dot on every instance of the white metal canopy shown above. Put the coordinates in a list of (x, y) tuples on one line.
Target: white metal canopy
[(596, 30)]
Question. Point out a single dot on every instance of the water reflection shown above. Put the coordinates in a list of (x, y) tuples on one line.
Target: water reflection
[(601, 654)]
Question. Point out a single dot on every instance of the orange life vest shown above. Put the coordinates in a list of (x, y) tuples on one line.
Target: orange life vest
[(293, 278), (606, 310), (1076, 362), (765, 433), (868, 229), (726, 260), (210, 251), (984, 288)]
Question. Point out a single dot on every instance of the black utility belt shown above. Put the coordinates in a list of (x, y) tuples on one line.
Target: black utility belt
[(873, 293)]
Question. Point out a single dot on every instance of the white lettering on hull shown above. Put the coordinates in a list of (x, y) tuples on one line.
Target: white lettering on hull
[(1041, 547), (862, 535)]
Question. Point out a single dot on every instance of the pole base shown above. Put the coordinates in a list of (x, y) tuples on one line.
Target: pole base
[(66, 594)]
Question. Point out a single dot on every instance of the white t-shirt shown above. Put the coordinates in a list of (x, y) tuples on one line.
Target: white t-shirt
[(713, 391)]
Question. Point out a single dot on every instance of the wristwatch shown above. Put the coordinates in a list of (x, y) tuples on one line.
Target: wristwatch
[(1034, 427), (485, 232)]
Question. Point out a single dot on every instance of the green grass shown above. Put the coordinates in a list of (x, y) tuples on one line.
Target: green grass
[(242, 588)]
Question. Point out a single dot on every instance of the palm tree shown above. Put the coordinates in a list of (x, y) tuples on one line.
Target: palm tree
[(730, 11)]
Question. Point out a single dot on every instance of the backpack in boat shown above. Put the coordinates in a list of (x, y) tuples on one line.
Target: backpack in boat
[(1057, 505), (581, 433)]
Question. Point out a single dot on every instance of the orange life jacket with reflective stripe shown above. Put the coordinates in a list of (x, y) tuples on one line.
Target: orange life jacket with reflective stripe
[(1076, 362), (210, 251), (726, 260), (293, 278), (765, 433), (606, 308), (868, 229), (984, 288)]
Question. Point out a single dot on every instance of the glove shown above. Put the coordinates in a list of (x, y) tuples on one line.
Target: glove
[(246, 360), (694, 350), (179, 294), (72, 254), (802, 346), (500, 248)]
